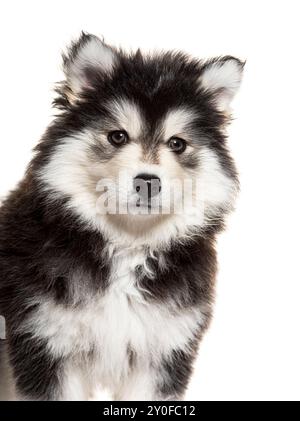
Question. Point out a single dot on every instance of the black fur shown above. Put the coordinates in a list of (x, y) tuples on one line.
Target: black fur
[(37, 373)]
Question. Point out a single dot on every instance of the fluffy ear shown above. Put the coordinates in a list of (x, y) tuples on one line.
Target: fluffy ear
[(222, 77), (85, 58)]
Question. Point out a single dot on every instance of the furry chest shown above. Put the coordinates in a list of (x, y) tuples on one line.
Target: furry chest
[(117, 324)]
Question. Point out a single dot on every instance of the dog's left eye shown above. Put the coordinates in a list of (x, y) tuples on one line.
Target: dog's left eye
[(177, 145), (118, 137)]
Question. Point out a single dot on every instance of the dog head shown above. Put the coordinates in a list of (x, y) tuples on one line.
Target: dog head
[(140, 142)]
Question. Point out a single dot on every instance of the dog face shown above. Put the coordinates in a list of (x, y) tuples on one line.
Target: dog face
[(140, 141)]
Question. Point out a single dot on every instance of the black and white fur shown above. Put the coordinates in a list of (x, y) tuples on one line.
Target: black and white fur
[(116, 302)]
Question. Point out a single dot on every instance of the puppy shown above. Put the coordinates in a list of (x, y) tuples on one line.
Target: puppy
[(107, 246)]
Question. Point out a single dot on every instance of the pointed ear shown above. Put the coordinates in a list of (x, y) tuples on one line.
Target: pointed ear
[(222, 77), (85, 58)]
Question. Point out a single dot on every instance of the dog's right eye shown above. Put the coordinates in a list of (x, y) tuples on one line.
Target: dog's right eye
[(118, 137)]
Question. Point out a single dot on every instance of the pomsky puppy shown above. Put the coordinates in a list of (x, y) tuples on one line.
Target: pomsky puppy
[(107, 246)]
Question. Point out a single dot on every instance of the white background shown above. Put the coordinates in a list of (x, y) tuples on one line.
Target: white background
[(252, 350)]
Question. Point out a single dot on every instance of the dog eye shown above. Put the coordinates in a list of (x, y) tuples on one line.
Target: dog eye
[(118, 137), (177, 145)]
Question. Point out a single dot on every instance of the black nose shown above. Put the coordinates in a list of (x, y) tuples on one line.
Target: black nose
[(147, 185)]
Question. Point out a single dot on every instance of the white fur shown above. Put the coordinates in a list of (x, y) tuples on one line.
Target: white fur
[(68, 172), (225, 77), (109, 324), (177, 122), (128, 117), (216, 188), (75, 383), (94, 53)]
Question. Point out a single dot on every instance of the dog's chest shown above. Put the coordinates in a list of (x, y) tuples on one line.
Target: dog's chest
[(117, 325)]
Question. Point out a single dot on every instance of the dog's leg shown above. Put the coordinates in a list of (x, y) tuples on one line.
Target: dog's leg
[(165, 381), (38, 375), (140, 385), (75, 385), (175, 372)]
